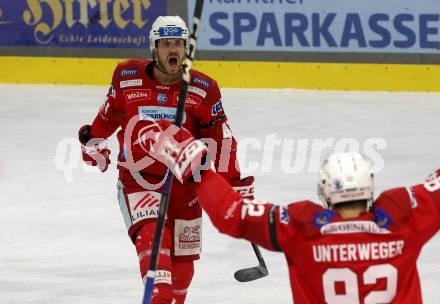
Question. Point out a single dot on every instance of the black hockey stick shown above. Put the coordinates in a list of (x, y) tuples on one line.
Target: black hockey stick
[(253, 273), (165, 199)]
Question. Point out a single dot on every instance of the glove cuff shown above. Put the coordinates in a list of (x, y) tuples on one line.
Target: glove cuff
[(245, 187)]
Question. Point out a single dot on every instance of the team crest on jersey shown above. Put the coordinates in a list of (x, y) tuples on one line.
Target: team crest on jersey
[(162, 98), (323, 218), (382, 218)]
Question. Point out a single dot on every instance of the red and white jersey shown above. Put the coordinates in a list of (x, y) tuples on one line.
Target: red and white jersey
[(135, 100), (369, 259)]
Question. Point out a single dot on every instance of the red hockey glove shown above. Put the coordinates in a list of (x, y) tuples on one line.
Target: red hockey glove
[(94, 150), (245, 187), (178, 150)]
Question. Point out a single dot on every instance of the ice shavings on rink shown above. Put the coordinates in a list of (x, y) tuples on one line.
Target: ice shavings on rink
[(63, 240)]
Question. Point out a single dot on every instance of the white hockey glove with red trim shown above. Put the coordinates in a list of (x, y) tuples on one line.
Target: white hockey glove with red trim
[(177, 149)]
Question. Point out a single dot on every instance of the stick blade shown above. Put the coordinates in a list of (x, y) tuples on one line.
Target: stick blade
[(251, 274)]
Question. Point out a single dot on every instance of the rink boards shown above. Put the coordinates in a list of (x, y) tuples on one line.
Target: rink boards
[(237, 74)]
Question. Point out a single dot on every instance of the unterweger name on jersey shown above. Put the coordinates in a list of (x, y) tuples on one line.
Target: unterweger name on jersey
[(357, 252)]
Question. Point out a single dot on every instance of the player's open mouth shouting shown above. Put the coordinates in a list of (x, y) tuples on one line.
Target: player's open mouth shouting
[(173, 62)]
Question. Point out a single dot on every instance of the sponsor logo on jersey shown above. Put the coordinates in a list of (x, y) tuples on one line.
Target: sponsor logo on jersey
[(128, 72), (191, 100), (197, 91), (190, 237), (112, 92), (203, 82), (130, 83), (322, 218), (158, 113), (382, 218), (187, 236), (353, 227), (284, 215), (162, 276), (148, 200), (143, 205), (230, 212), (217, 108), (192, 202), (162, 87), (137, 95), (162, 98)]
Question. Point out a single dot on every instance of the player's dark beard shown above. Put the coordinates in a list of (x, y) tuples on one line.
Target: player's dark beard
[(161, 68)]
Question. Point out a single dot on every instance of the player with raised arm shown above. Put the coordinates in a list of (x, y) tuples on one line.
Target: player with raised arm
[(351, 250), (143, 91)]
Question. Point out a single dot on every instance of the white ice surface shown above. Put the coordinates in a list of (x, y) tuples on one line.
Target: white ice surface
[(65, 242)]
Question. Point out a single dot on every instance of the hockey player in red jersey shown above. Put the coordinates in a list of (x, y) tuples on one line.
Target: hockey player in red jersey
[(352, 250), (141, 92)]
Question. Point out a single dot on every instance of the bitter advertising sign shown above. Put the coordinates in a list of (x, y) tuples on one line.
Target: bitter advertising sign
[(374, 26), (78, 23)]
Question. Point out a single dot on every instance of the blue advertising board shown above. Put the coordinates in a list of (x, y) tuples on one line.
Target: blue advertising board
[(78, 23), (375, 26)]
